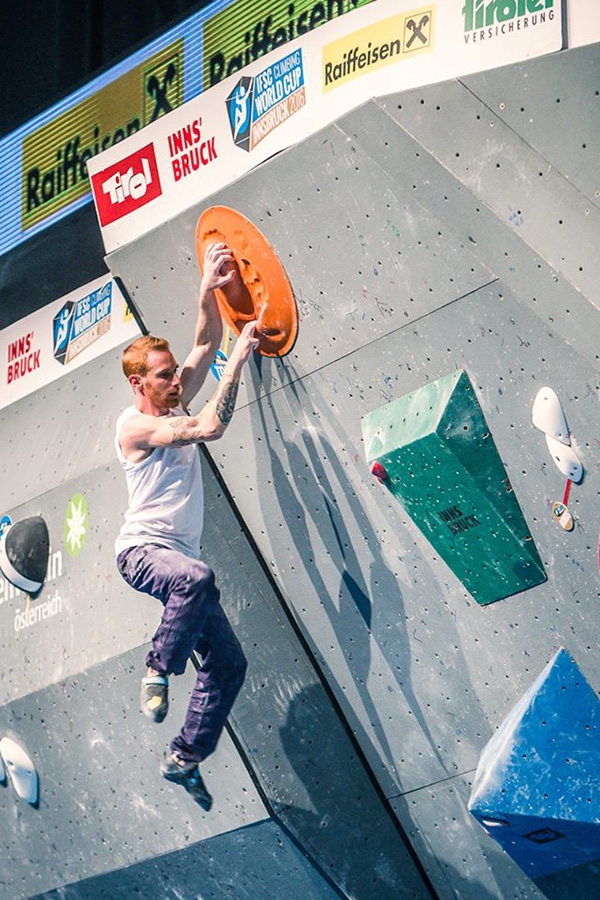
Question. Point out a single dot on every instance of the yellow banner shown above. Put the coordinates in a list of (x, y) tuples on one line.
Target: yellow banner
[(55, 156), (248, 29), (376, 46)]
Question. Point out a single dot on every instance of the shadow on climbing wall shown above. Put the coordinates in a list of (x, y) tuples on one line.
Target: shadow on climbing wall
[(442, 229), (453, 227)]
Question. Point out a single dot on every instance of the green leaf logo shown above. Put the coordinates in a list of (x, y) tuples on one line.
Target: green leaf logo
[(76, 524)]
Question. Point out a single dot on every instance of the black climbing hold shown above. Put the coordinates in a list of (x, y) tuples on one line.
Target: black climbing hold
[(24, 550)]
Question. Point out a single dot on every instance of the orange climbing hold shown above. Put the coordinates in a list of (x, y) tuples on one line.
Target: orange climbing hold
[(262, 291)]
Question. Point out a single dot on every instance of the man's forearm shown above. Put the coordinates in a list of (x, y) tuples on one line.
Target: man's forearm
[(209, 326), (207, 337), (225, 398), (212, 421)]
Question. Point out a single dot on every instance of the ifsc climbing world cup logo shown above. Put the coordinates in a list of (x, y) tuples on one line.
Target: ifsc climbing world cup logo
[(81, 322), (261, 103), (239, 109)]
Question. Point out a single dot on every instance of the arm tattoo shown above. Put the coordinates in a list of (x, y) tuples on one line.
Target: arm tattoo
[(226, 401), (183, 433), (186, 430)]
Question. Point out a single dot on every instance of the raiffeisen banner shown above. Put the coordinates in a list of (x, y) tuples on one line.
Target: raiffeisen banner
[(65, 334), (297, 89), (44, 163)]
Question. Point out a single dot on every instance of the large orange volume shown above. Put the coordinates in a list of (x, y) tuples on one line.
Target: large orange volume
[(261, 291)]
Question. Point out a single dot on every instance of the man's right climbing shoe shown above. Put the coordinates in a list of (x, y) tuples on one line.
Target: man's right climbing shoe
[(188, 776), (154, 697)]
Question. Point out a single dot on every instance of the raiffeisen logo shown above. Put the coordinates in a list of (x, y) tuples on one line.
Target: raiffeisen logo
[(242, 32), (384, 43), (485, 19)]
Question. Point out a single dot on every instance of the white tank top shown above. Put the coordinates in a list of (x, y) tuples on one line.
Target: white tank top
[(166, 497)]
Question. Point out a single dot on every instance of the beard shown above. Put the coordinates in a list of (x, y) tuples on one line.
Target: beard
[(173, 401), (164, 400)]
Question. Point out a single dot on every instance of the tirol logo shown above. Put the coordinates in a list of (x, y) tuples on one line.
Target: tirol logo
[(81, 322), (258, 104), (127, 185), (492, 18)]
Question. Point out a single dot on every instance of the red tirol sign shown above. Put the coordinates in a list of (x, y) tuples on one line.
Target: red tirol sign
[(126, 185)]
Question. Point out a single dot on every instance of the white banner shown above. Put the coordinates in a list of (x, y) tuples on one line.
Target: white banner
[(62, 336), (291, 93)]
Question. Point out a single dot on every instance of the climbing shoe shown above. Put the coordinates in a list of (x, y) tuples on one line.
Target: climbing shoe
[(188, 776), (154, 697)]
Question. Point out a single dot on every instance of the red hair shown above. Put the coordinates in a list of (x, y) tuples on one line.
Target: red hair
[(135, 356)]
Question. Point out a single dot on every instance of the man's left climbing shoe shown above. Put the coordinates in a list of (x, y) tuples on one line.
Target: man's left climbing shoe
[(154, 697), (188, 776)]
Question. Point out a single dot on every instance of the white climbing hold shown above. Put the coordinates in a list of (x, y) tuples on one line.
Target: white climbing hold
[(566, 459), (21, 770), (548, 415)]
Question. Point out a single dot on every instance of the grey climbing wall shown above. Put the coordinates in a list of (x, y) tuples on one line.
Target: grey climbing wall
[(450, 227), (284, 818)]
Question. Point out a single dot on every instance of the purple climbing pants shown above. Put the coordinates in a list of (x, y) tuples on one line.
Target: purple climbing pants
[(192, 619)]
